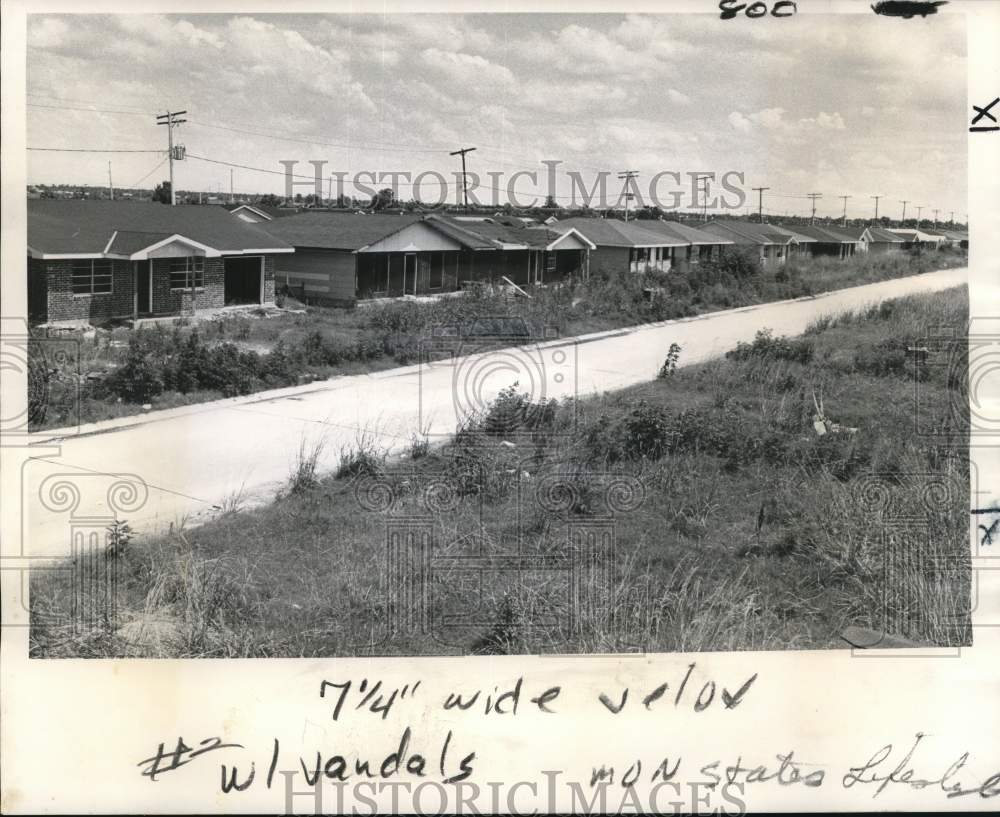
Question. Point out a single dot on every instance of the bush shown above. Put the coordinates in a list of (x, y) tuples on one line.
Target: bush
[(884, 359), (139, 379), (765, 346)]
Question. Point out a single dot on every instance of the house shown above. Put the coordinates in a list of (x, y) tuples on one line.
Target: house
[(627, 245), (98, 260), (917, 238), (874, 240), (702, 246), (773, 245), (341, 258), (959, 237), (825, 241)]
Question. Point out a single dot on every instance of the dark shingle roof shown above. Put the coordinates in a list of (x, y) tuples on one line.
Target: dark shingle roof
[(748, 232), (692, 235), (882, 235), (611, 232), (71, 226), (336, 231), (824, 234)]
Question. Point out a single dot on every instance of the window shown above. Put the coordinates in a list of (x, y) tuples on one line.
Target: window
[(92, 277), (182, 270)]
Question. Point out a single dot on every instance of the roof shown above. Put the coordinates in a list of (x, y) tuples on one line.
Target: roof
[(748, 232), (81, 227), (612, 232), (879, 234), (911, 234), (824, 234), (336, 231), (690, 235)]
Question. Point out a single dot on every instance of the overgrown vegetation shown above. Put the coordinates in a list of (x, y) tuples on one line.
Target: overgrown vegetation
[(123, 371), (752, 501)]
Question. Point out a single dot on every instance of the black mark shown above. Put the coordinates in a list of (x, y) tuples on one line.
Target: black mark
[(980, 113), (731, 8), (907, 8)]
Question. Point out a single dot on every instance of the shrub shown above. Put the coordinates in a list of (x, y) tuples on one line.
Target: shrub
[(764, 346), (885, 359), (139, 379), (670, 362)]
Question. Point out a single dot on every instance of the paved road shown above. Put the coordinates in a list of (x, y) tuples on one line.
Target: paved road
[(191, 462)]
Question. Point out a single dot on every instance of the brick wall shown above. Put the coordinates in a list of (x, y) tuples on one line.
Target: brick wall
[(167, 301), (63, 305)]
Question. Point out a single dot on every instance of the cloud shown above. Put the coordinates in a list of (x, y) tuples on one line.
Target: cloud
[(467, 70), (48, 32), (678, 98), (739, 122)]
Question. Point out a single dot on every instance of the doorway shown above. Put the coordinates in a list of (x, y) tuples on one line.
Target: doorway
[(410, 273), (144, 287), (243, 280)]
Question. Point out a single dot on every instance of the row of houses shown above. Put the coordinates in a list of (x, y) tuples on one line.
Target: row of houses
[(90, 261)]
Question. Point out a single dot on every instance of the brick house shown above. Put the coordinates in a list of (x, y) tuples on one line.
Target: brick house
[(93, 261)]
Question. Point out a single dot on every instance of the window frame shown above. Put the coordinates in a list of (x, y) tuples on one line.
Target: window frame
[(191, 273), (92, 277)]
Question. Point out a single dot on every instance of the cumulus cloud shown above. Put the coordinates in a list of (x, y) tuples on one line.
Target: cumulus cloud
[(677, 97), (739, 122)]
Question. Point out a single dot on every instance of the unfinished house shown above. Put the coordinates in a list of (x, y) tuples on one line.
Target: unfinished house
[(627, 245), (94, 261), (342, 258), (773, 245)]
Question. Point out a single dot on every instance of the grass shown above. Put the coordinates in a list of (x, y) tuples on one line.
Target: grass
[(753, 531), (121, 371)]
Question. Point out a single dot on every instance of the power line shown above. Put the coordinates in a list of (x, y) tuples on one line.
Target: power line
[(388, 146), (169, 119), (88, 102), (91, 110), (151, 172), (94, 150)]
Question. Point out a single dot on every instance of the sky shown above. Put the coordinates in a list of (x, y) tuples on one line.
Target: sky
[(855, 105)]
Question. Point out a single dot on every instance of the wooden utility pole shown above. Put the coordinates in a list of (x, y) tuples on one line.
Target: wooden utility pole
[(813, 197), (465, 186), (626, 176), (919, 208), (903, 220), (936, 217), (760, 203), (845, 198), (111, 186), (876, 205), (231, 199), (171, 122)]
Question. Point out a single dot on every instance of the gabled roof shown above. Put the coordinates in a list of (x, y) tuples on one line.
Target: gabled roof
[(336, 231), (881, 235), (824, 234), (87, 228), (748, 232), (612, 232), (912, 234), (800, 237), (684, 232)]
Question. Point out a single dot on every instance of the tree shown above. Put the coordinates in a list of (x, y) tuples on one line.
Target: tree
[(162, 192), (384, 199), (550, 203)]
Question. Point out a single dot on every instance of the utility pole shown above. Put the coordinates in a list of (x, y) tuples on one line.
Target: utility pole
[(465, 186), (111, 186), (760, 203), (876, 205), (936, 217), (903, 220), (952, 219), (626, 176), (171, 122), (813, 197), (845, 198), (919, 208), (698, 179), (231, 199)]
